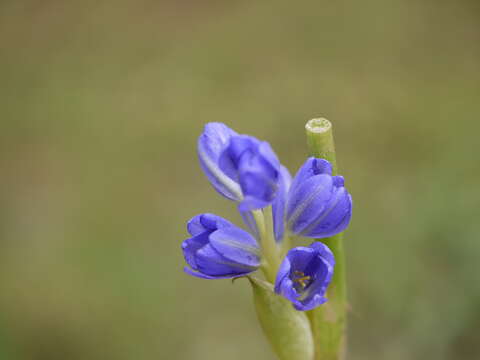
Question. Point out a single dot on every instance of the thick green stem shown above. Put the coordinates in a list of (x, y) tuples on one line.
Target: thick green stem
[(329, 320)]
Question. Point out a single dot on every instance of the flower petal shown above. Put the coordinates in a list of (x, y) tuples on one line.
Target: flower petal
[(278, 206), (208, 277), (317, 300), (283, 272), (321, 273), (211, 143), (256, 180), (338, 181), (191, 246), (333, 219), (268, 155), (230, 157), (258, 176), (324, 252), (249, 220), (211, 262), (206, 222), (311, 167), (307, 201), (287, 290), (236, 245), (250, 203), (300, 257), (253, 165)]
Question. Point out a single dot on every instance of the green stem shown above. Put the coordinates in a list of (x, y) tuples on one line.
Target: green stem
[(270, 249), (329, 320)]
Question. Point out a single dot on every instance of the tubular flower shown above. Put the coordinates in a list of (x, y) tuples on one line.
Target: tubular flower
[(211, 143), (218, 249), (240, 167), (278, 206), (305, 274), (318, 204)]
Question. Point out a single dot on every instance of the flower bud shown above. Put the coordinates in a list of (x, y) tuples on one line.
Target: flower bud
[(218, 249), (318, 204), (240, 167), (211, 143)]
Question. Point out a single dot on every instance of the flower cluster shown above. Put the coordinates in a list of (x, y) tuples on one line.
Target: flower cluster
[(274, 207)]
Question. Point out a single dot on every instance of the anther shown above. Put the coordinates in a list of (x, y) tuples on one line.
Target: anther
[(301, 278)]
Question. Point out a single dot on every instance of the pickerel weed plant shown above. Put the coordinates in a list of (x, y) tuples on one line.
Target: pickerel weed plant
[(301, 301)]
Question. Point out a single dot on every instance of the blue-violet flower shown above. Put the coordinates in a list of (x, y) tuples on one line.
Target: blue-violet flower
[(318, 204), (305, 274), (218, 249), (278, 206), (240, 167)]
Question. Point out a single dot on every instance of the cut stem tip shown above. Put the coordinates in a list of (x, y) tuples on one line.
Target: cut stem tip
[(318, 125)]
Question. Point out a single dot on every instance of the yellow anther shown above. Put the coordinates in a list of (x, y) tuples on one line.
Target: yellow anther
[(301, 279)]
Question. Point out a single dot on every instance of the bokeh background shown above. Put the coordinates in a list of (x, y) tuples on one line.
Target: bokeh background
[(101, 103)]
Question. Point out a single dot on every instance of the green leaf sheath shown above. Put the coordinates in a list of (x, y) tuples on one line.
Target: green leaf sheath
[(329, 320), (287, 329)]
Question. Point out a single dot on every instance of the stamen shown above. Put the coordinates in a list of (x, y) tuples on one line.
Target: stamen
[(301, 279)]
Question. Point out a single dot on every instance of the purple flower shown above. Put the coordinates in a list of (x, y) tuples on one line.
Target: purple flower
[(318, 204), (218, 249), (305, 274), (239, 167), (278, 207), (214, 139)]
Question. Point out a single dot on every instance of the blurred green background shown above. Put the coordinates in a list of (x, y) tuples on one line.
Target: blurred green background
[(101, 103)]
